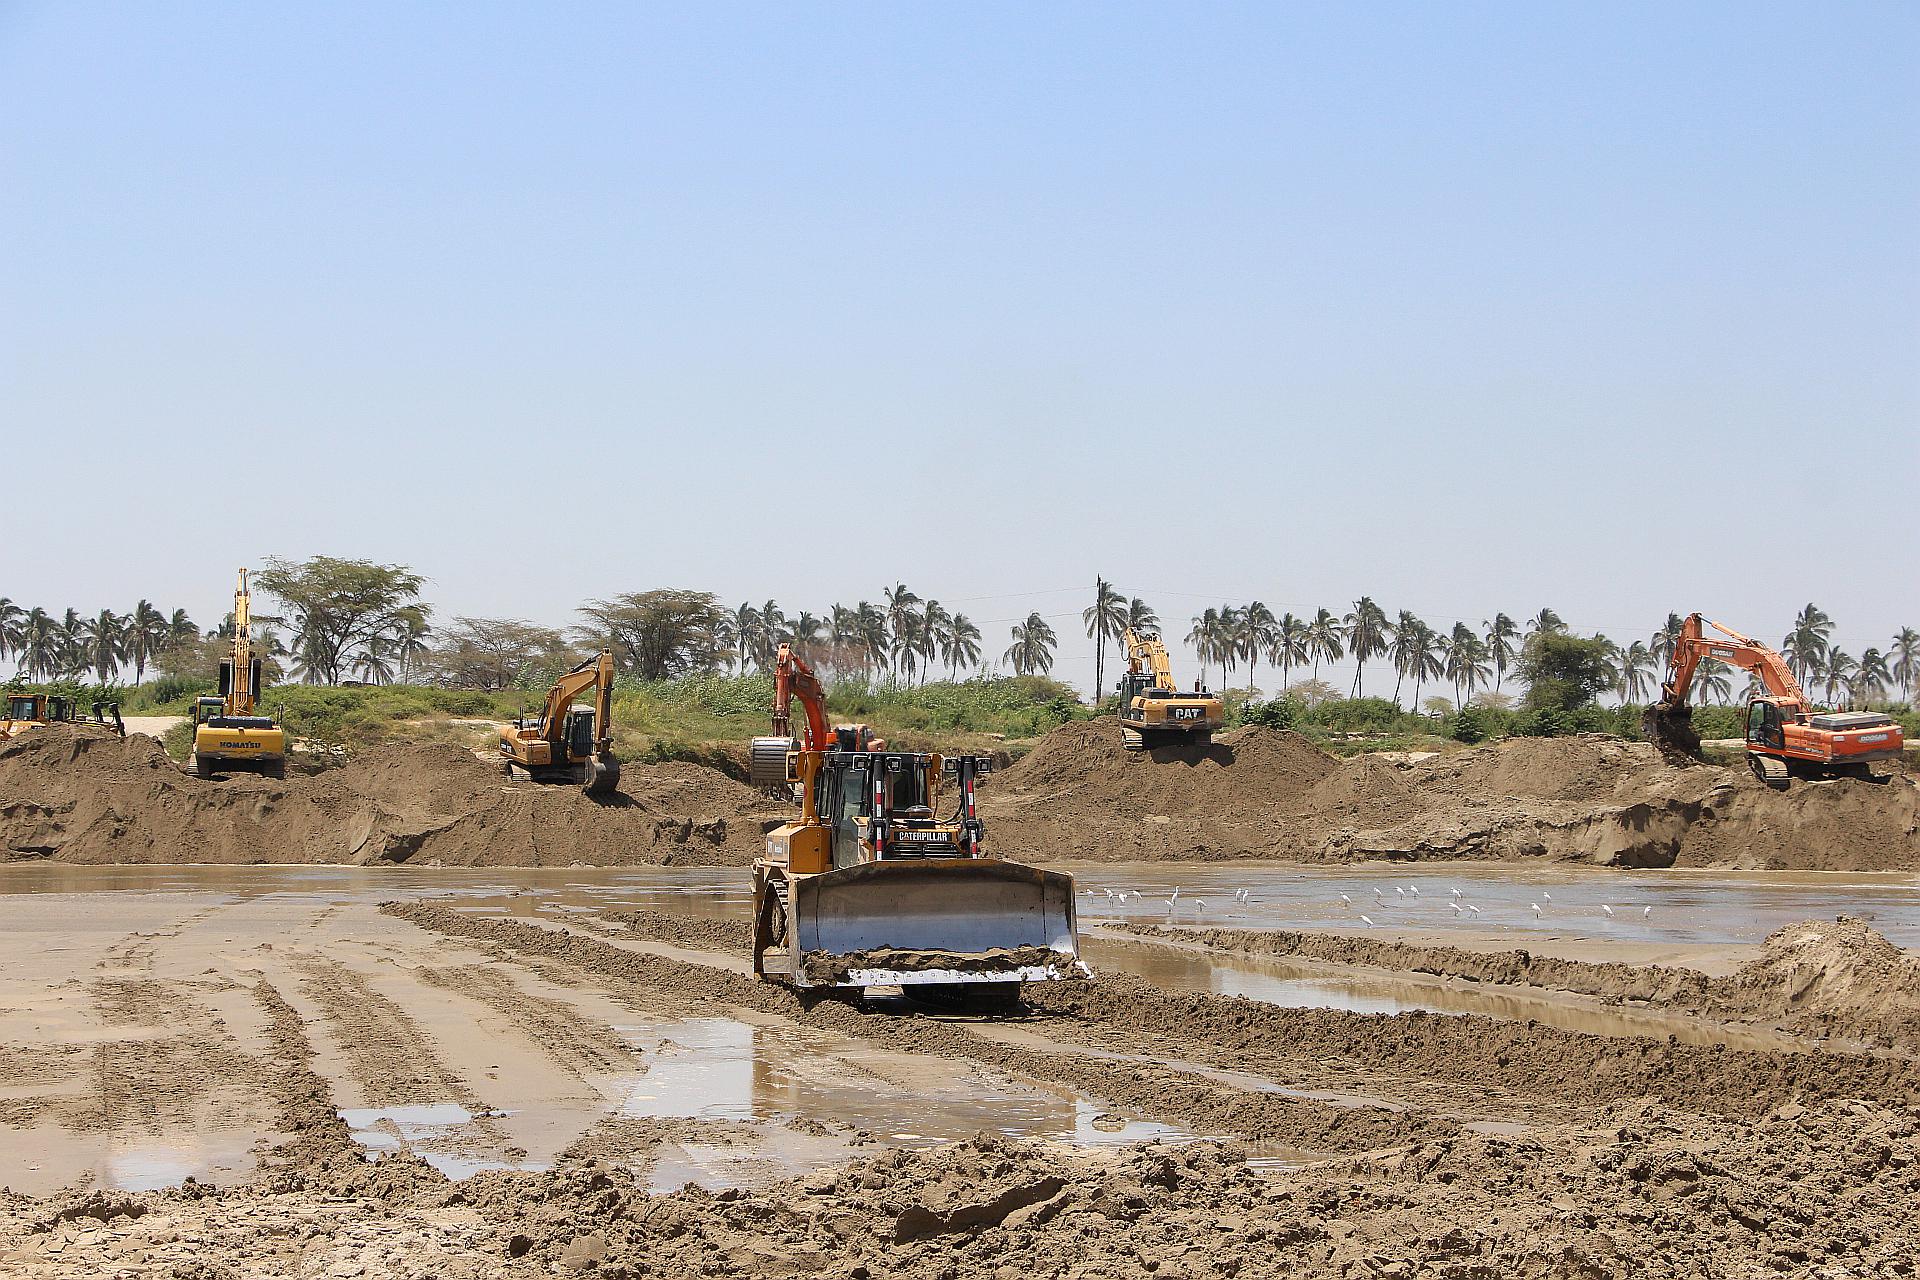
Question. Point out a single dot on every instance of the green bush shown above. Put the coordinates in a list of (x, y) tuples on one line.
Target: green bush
[(1469, 725)]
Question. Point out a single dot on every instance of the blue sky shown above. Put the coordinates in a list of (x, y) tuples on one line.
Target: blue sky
[(1465, 307)]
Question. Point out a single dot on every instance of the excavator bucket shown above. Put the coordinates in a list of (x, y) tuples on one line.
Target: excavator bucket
[(1668, 725), (947, 922)]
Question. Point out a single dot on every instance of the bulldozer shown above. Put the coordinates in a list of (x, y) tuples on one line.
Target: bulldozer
[(25, 711), (878, 885), (566, 743), (230, 733), (1154, 711), (1785, 737)]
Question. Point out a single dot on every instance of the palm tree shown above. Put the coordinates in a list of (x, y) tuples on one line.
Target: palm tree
[(101, 644), (748, 632), (1636, 665), (411, 630), (1840, 669), (1404, 640), (1031, 652), (1366, 638), (1806, 645), (1546, 621), (1204, 637), (1253, 635), (12, 619), (1712, 681), (1324, 639), (1289, 646), (1427, 659), (807, 632), (1465, 662), (180, 628), (900, 602), (39, 644), (934, 624), (1104, 619), (1141, 617), (870, 624), (374, 661), (1665, 639), (1500, 635), (906, 641), (1906, 659), (1870, 681), (146, 637), (961, 644)]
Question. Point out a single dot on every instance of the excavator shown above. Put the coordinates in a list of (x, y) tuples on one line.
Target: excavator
[(25, 711), (1154, 711), (1786, 737), (568, 743), (874, 887), (230, 734)]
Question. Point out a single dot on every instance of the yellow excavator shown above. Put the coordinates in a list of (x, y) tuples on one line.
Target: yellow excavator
[(1154, 711), (230, 734), (874, 887), (23, 711), (567, 743)]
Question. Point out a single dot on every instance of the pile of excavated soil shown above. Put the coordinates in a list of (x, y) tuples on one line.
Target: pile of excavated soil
[(1256, 793), (82, 797)]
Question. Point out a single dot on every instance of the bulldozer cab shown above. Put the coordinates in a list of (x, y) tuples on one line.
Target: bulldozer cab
[(880, 806), (25, 706)]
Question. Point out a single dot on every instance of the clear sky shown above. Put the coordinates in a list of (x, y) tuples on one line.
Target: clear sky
[(1613, 308)]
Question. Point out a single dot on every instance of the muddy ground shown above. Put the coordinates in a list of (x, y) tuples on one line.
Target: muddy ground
[(453, 1086), (85, 797)]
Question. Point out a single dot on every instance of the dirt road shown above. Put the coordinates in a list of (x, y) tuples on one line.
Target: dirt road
[(539, 1081)]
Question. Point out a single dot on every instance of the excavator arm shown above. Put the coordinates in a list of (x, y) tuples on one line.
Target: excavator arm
[(1149, 653), (595, 673), (1693, 645), (792, 676)]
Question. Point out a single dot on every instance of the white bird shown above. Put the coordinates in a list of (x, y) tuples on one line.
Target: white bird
[(1455, 891), (1645, 912), (1176, 893), (1546, 895), (1535, 906), (1344, 898), (1368, 921), (1402, 892), (1474, 908), (1109, 895), (1456, 908), (1414, 889), (1604, 907), (1123, 896)]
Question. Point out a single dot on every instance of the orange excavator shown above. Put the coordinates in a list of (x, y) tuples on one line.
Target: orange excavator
[(874, 886), (1786, 737)]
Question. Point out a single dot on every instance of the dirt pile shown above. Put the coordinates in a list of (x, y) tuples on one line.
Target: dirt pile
[(80, 797), (1841, 978), (1260, 793)]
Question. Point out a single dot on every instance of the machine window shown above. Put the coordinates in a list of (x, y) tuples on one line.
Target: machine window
[(1756, 719), (854, 786)]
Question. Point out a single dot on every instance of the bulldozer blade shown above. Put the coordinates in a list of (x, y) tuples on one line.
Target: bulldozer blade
[(1669, 727), (913, 922)]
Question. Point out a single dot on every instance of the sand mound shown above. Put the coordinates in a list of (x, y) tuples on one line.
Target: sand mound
[(79, 797), (1592, 798), (1841, 978)]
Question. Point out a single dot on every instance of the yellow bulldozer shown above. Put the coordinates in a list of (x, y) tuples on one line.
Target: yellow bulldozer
[(1156, 712), (230, 732), (23, 711), (880, 884), (567, 743)]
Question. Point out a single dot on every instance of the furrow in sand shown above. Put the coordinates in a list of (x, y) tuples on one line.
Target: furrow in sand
[(578, 1044), (393, 1061)]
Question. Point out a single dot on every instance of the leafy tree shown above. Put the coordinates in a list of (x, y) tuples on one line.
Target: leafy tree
[(654, 635), (490, 653), (1563, 671), (338, 607)]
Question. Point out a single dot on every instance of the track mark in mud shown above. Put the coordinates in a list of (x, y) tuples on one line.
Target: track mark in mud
[(392, 1060), (151, 1083), (1166, 1094), (583, 1047)]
